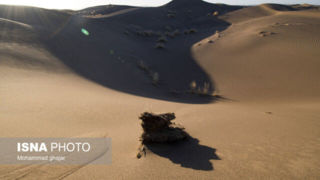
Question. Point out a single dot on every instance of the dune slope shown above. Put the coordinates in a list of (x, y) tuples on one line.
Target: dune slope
[(270, 57), (55, 81)]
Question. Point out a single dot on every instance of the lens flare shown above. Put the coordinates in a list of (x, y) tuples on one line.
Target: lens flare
[(85, 32)]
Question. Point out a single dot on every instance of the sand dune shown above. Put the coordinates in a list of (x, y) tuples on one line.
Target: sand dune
[(56, 81), (275, 56)]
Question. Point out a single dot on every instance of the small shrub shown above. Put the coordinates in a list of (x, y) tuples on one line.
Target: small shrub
[(191, 31), (218, 33), (143, 66), (193, 86), (148, 33), (171, 15), (171, 35), (139, 33), (216, 13), (155, 78), (160, 46), (175, 92), (168, 28), (176, 32), (162, 39), (158, 33), (205, 90)]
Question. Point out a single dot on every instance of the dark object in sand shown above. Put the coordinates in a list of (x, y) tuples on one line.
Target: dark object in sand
[(266, 33), (160, 129)]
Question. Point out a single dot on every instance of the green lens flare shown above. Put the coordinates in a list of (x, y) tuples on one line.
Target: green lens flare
[(85, 32)]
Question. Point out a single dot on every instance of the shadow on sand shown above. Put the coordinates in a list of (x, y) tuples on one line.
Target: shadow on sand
[(110, 57), (189, 154)]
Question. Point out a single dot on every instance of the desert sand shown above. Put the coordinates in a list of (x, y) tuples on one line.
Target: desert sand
[(259, 117)]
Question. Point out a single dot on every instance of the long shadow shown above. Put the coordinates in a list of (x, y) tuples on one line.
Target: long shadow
[(188, 154), (110, 57)]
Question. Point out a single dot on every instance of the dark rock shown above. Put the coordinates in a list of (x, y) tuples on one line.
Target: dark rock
[(160, 129)]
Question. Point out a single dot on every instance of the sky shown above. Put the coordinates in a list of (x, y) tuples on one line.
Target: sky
[(80, 4)]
